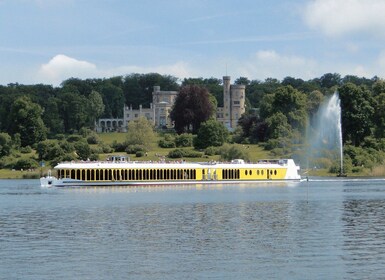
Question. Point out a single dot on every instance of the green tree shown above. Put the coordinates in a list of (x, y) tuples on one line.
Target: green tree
[(229, 152), (292, 103), (278, 126), (211, 133), (5, 144), (379, 115), (357, 113), (191, 108), (73, 108), (27, 121), (95, 106), (140, 132), (83, 150), (113, 100)]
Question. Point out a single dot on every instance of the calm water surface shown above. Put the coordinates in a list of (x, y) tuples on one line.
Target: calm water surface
[(312, 230)]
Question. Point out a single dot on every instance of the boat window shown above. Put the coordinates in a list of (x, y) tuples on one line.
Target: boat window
[(245, 172)]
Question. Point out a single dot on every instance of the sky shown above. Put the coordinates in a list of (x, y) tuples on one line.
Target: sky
[(48, 41)]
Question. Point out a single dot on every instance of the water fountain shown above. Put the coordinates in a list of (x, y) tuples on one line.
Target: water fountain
[(326, 133)]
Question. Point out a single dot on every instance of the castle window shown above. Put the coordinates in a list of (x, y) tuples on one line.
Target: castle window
[(236, 102)]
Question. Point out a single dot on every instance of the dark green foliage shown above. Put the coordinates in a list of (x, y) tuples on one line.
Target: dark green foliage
[(357, 113), (83, 150), (49, 150), (180, 153), (229, 152), (25, 164), (177, 153), (140, 154), (167, 142), (119, 147), (211, 133), (5, 144), (192, 107), (74, 138), (163, 143), (210, 151), (133, 149), (105, 148), (184, 140), (27, 121), (25, 150)]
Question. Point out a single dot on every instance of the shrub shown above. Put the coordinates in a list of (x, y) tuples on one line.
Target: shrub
[(133, 149), (230, 152), (74, 138), (105, 148), (140, 154), (163, 143), (177, 153), (184, 140), (119, 147), (25, 163), (210, 151), (93, 138), (192, 154), (25, 150)]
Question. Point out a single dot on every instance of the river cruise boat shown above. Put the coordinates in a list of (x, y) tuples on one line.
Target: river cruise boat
[(119, 171)]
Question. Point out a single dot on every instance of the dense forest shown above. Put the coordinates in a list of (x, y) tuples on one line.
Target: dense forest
[(277, 114)]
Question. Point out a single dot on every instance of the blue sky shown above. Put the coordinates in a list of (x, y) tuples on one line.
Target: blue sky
[(48, 41)]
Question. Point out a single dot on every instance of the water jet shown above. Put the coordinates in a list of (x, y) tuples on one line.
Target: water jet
[(326, 133)]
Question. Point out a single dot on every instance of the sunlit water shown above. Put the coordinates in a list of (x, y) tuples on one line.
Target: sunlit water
[(313, 230)]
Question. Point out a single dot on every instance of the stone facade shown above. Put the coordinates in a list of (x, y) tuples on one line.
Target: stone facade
[(161, 106)]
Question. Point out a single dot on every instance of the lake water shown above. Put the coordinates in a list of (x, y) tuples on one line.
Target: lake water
[(326, 229)]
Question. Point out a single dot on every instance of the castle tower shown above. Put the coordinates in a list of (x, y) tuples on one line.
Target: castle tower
[(237, 103), (226, 101)]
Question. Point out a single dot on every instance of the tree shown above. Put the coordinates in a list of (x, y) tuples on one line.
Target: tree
[(83, 150), (5, 144), (230, 152), (192, 107), (211, 133), (379, 115), (27, 121), (140, 132), (292, 103), (357, 113), (113, 100), (95, 106), (73, 108), (314, 100), (329, 80), (278, 126)]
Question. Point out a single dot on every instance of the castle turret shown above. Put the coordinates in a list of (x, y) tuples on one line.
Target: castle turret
[(227, 101), (237, 103)]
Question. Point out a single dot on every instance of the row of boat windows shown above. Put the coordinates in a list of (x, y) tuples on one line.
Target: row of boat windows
[(127, 174), (152, 174), (261, 172)]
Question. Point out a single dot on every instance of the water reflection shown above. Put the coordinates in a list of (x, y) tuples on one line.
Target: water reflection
[(364, 231)]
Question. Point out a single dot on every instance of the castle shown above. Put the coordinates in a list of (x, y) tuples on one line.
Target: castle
[(161, 106)]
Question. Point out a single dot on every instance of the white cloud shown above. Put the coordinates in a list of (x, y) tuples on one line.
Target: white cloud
[(340, 17), (62, 67)]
